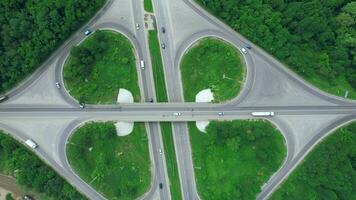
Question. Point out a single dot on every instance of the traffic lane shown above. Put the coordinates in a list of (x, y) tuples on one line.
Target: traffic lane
[(159, 159), (169, 113), (282, 174), (184, 160)]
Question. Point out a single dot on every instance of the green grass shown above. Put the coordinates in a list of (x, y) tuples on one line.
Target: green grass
[(148, 5), (171, 160), (117, 167), (214, 64), (328, 172), (234, 159), (157, 66), (338, 88), (114, 70)]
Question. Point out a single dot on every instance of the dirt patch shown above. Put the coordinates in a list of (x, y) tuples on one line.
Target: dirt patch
[(8, 185)]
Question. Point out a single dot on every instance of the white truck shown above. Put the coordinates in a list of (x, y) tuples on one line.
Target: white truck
[(142, 64), (262, 114), (31, 144)]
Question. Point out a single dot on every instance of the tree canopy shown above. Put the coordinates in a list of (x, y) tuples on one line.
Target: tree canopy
[(31, 30), (31, 172)]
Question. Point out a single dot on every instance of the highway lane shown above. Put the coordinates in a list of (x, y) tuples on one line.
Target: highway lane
[(175, 94), (160, 174), (156, 112), (288, 168)]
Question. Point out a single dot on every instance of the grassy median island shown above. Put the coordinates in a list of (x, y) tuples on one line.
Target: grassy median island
[(171, 160), (117, 167), (328, 172), (214, 64), (234, 159), (31, 173), (147, 4), (157, 66), (99, 67)]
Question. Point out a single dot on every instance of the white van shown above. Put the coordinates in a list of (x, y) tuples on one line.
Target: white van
[(142, 64), (31, 144)]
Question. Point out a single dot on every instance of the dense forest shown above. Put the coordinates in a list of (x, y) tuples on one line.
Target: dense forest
[(31, 30), (31, 172), (329, 172), (316, 38)]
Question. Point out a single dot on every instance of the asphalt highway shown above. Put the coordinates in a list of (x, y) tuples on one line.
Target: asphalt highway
[(241, 107)]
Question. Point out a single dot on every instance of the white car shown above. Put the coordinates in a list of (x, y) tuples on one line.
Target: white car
[(82, 106), (243, 50), (137, 26), (58, 85), (220, 113), (177, 114), (160, 151), (87, 32), (31, 144)]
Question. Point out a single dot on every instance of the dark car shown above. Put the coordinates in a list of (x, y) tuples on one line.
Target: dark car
[(151, 100), (26, 197), (3, 98), (163, 30), (87, 32), (160, 185), (248, 47)]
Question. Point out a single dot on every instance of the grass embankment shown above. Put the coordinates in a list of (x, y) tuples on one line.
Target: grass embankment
[(99, 67), (234, 159), (171, 160), (157, 66), (147, 4), (31, 173), (328, 172), (214, 64), (117, 167)]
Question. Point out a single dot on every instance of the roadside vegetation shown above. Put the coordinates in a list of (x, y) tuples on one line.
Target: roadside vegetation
[(99, 67), (314, 38), (234, 159), (31, 30), (117, 167), (31, 172), (148, 5), (215, 64), (171, 160), (328, 172), (157, 66)]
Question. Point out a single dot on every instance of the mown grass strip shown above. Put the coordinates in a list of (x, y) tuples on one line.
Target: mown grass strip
[(171, 160), (147, 4), (157, 66)]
